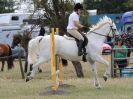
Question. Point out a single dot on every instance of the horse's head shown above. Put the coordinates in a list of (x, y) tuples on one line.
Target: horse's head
[(105, 27), (113, 30)]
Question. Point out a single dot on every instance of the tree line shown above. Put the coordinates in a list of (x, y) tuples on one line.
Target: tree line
[(109, 6), (103, 6)]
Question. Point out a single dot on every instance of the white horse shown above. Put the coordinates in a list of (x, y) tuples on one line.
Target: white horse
[(39, 48)]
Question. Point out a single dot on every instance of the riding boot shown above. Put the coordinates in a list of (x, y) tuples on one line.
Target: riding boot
[(80, 48)]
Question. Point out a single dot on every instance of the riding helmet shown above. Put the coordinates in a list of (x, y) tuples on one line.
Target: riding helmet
[(78, 6)]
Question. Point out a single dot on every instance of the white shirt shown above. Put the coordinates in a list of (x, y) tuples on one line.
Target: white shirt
[(73, 17)]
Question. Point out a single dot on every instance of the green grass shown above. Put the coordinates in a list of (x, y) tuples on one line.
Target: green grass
[(13, 87)]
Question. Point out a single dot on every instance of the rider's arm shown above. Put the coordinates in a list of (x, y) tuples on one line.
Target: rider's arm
[(78, 25)]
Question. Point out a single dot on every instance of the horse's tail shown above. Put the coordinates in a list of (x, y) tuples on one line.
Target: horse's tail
[(10, 59), (33, 49)]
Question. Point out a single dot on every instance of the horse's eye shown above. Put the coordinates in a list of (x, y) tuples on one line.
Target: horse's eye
[(114, 29)]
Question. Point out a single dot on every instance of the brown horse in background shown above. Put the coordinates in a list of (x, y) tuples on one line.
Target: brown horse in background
[(6, 55)]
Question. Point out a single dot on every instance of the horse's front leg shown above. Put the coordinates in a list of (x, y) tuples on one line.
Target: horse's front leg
[(94, 70), (107, 69), (35, 66), (39, 70)]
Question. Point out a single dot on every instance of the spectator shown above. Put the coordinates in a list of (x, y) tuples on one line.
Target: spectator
[(120, 53), (129, 30), (130, 34), (128, 40), (42, 31)]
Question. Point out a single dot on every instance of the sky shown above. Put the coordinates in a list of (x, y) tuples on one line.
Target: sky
[(78, 1)]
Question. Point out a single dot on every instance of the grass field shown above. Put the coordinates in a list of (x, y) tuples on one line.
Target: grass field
[(13, 87)]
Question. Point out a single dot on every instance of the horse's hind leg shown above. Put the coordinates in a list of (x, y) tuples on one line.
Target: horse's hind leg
[(3, 63), (107, 70), (94, 70)]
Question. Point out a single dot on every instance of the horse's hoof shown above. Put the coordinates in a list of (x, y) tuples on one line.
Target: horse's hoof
[(98, 88), (105, 78), (40, 70), (29, 74), (27, 79)]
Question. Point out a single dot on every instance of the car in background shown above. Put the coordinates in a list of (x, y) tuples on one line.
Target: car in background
[(106, 48)]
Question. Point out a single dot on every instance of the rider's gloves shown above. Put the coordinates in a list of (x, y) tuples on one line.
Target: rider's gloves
[(85, 29)]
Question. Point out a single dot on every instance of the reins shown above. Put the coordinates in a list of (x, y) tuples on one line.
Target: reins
[(104, 35), (98, 33)]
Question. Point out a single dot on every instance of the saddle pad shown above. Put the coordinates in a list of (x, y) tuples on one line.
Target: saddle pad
[(69, 38)]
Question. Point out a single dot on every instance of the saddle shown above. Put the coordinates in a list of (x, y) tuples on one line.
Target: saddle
[(84, 45)]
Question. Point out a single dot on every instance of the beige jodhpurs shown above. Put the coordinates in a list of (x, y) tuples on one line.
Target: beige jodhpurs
[(75, 33)]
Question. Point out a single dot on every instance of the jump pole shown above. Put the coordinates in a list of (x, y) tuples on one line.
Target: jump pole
[(60, 72), (53, 66), (60, 64), (53, 62)]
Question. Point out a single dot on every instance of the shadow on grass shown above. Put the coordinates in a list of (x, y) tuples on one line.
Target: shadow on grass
[(61, 90)]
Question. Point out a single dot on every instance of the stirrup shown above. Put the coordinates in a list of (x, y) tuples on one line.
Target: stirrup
[(80, 53), (84, 53)]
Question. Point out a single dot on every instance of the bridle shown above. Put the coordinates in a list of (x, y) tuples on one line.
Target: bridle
[(111, 29)]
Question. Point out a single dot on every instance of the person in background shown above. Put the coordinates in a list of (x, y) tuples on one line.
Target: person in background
[(120, 53), (42, 31), (109, 41), (129, 30), (128, 40)]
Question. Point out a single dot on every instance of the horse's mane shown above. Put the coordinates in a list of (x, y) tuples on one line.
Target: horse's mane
[(102, 21)]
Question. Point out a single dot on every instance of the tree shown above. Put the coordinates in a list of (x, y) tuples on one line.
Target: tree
[(108, 6), (129, 4), (6, 6), (56, 13)]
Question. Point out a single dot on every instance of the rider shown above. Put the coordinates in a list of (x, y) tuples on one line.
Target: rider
[(74, 25)]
